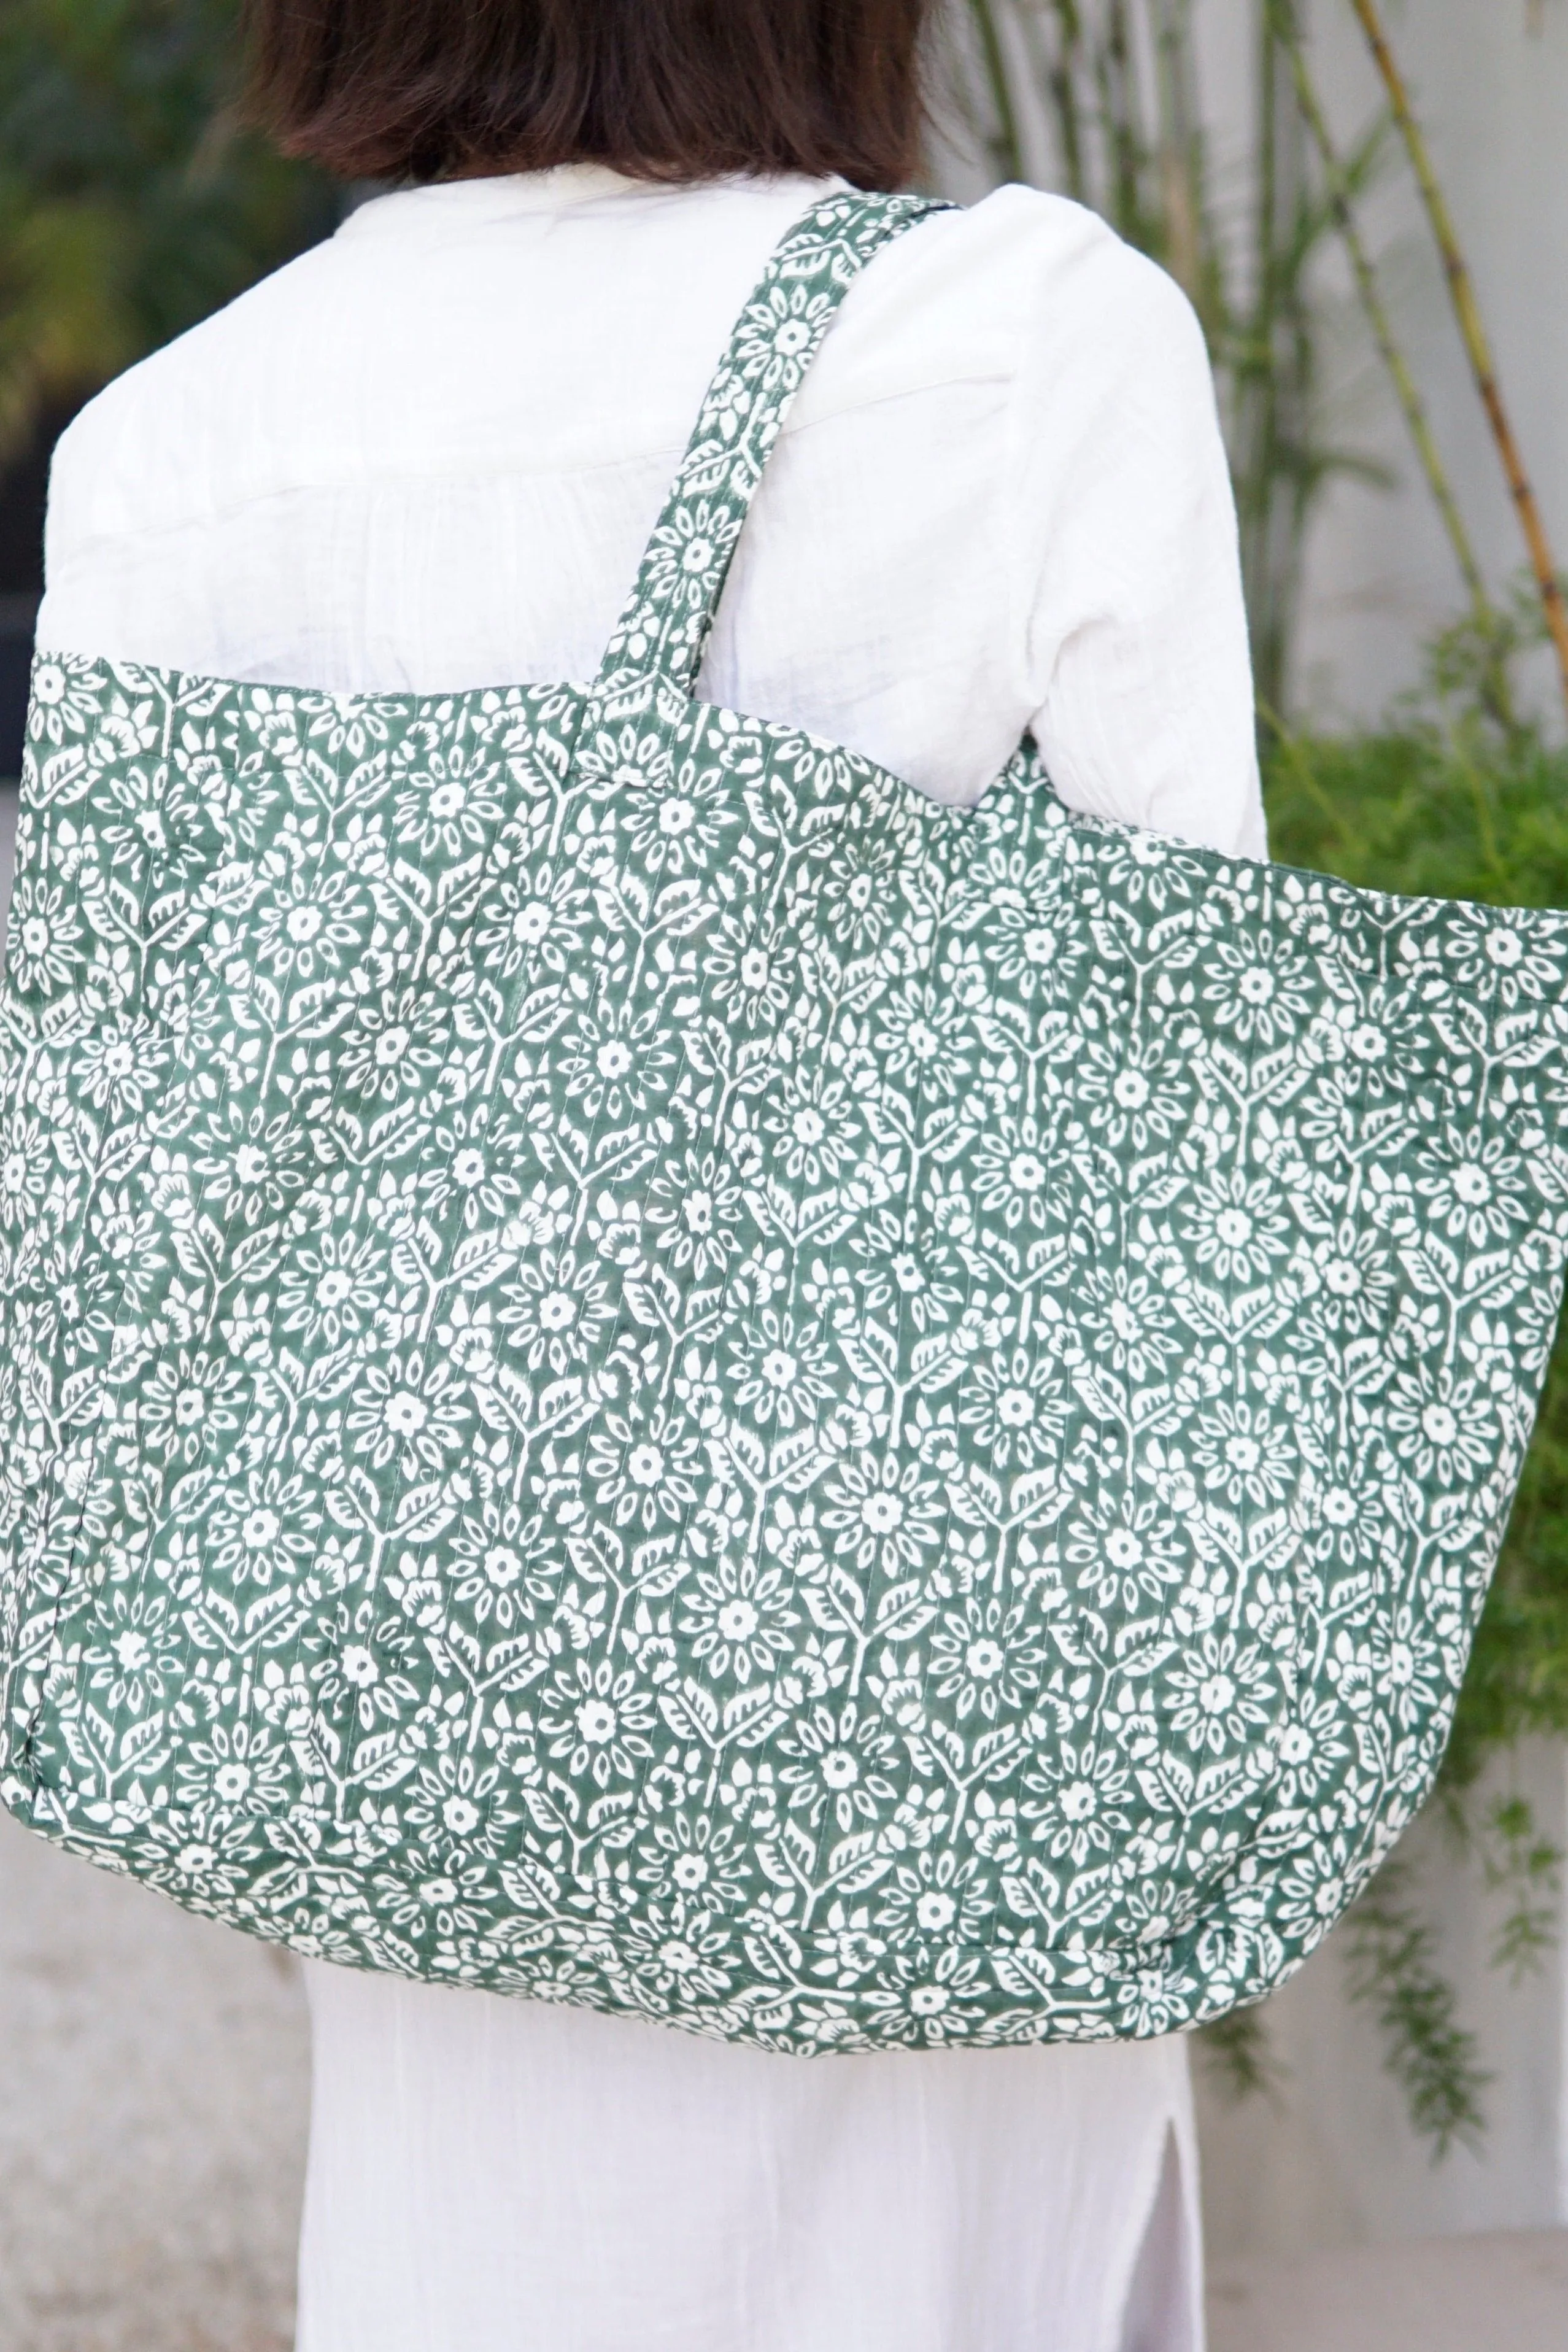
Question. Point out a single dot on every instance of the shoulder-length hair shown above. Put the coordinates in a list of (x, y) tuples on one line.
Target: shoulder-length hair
[(658, 90)]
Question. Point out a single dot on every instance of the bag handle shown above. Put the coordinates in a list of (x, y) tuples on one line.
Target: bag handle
[(665, 623)]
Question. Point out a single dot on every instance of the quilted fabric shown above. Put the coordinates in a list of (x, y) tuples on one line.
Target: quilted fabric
[(640, 1368)]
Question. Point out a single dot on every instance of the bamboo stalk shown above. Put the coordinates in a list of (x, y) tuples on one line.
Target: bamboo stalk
[(1007, 148), (1272, 373), (1337, 189), (1063, 85), (1255, 384), (1183, 250), (1118, 97), (1461, 293)]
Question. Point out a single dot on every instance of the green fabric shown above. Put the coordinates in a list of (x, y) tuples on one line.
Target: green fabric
[(640, 1368)]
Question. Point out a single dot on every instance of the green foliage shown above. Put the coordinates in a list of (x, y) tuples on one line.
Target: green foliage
[(131, 204), (1390, 1949), (1517, 1861), (1238, 2057)]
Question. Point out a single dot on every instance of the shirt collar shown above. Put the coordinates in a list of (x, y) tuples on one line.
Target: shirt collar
[(506, 196)]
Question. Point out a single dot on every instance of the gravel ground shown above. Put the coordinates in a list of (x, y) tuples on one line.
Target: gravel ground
[(154, 2085), (1506, 2292)]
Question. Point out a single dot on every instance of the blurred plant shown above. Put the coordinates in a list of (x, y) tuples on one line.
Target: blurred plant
[(1100, 98), (1390, 1950), (1477, 350), (1517, 1861), (1340, 188), (1239, 2058), (1272, 349), (130, 204)]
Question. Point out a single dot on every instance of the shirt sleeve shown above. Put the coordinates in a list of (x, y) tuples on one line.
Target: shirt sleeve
[(1126, 557)]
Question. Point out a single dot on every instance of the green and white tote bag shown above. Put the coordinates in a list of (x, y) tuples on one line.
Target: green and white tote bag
[(641, 1368)]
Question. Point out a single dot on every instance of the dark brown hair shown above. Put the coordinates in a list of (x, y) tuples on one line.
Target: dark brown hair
[(659, 89)]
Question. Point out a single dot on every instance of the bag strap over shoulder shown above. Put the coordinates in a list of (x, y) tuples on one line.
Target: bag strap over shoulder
[(664, 625)]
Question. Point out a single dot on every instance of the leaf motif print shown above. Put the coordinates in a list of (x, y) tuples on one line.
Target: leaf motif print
[(639, 1368)]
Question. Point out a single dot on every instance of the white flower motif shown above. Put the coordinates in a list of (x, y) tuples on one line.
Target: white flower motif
[(639, 1367)]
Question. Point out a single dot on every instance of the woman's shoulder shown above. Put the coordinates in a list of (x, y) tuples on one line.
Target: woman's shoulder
[(279, 382), (137, 451), (1018, 229), (990, 290)]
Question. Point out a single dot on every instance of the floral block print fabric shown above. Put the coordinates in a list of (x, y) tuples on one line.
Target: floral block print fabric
[(641, 1368)]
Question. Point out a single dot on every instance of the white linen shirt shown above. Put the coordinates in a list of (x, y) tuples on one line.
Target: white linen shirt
[(426, 456)]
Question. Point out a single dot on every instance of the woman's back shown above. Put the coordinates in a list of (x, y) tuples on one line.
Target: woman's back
[(428, 456)]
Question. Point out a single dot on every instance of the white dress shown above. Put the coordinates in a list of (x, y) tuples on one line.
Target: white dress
[(426, 456)]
